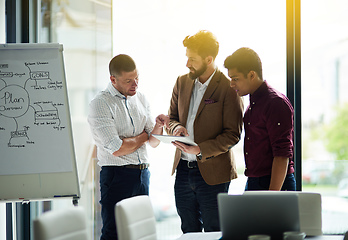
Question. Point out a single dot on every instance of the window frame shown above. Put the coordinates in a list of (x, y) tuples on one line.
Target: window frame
[(293, 80)]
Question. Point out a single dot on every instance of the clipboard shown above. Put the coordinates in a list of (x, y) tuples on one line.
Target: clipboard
[(170, 139)]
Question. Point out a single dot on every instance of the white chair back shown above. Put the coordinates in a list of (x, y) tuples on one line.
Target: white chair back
[(135, 219), (66, 224)]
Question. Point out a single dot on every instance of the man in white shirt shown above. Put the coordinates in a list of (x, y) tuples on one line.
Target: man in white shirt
[(121, 125)]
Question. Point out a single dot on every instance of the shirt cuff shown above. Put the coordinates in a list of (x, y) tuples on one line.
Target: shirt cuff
[(114, 145)]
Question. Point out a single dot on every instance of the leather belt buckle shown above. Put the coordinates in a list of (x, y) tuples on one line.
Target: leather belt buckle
[(191, 164), (143, 166)]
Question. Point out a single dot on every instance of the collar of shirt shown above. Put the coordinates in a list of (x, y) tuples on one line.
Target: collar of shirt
[(259, 93), (202, 86), (114, 92), (205, 85)]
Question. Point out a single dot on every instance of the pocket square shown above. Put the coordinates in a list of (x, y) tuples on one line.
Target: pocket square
[(209, 101)]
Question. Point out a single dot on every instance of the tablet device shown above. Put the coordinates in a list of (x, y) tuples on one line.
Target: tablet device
[(170, 139)]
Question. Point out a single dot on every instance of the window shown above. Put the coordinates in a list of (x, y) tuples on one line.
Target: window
[(324, 108)]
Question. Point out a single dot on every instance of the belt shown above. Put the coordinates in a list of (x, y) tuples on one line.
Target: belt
[(141, 166), (190, 164)]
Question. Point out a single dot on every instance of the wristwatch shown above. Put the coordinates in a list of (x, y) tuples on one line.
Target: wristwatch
[(199, 155)]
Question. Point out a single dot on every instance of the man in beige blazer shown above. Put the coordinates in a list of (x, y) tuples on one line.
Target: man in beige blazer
[(204, 108)]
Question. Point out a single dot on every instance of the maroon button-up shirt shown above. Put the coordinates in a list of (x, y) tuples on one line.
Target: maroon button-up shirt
[(269, 129)]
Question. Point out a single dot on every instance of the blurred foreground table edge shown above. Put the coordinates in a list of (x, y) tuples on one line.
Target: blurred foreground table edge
[(217, 235)]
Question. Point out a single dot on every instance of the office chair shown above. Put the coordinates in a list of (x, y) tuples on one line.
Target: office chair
[(135, 219), (66, 224)]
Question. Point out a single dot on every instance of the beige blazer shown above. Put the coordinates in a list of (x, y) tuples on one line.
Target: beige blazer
[(217, 126)]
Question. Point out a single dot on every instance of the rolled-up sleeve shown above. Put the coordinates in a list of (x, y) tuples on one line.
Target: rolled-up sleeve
[(280, 128)]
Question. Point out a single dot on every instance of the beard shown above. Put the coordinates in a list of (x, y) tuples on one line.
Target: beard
[(196, 73)]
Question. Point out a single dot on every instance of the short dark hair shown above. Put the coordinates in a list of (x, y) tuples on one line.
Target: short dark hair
[(121, 63), (244, 60), (204, 43)]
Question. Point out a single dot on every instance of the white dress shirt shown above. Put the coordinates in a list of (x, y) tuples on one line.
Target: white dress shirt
[(196, 98), (112, 117)]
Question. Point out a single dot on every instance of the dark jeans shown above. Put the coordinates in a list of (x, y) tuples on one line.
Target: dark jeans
[(196, 201), (116, 184), (262, 183)]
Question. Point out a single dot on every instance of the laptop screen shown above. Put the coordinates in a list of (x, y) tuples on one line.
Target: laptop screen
[(258, 213)]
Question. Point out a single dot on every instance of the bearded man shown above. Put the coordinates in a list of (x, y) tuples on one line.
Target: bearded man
[(204, 108)]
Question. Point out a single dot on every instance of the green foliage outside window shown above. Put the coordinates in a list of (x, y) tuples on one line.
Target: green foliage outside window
[(336, 134)]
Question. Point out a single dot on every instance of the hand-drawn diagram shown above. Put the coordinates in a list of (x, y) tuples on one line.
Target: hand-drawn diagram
[(16, 100), (35, 126)]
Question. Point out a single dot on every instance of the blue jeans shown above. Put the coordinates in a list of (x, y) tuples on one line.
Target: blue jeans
[(196, 201), (262, 183), (116, 184)]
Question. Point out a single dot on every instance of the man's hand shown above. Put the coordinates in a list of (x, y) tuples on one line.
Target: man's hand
[(187, 148), (162, 121), (180, 131)]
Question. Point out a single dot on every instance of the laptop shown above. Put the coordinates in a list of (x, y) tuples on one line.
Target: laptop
[(258, 213)]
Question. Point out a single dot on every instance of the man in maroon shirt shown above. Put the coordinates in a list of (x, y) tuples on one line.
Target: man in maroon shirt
[(268, 125)]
